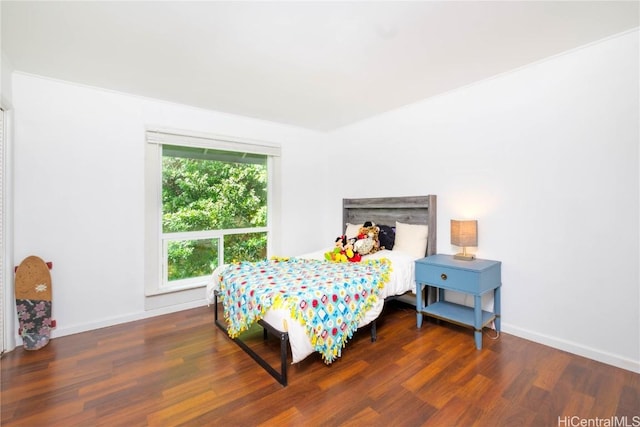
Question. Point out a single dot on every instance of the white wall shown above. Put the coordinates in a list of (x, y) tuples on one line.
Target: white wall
[(79, 179), (546, 158), (6, 70)]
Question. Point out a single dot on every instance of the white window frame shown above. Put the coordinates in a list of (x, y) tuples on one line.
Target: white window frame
[(7, 309), (3, 249), (156, 242)]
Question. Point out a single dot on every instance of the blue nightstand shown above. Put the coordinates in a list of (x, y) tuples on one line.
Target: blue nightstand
[(475, 277)]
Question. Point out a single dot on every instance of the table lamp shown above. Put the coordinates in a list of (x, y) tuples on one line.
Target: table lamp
[(464, 233)]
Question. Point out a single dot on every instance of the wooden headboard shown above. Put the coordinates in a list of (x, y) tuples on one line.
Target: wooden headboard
[(388, 210)]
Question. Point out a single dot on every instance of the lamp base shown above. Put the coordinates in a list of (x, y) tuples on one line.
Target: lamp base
[(464, 257)]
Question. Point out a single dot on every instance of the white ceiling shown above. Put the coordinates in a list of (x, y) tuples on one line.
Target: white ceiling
[(318, 65)]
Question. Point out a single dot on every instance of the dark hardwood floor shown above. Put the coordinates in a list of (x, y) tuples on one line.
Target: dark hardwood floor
[(179, 369)]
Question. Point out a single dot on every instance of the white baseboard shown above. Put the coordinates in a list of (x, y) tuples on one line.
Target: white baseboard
[(61, 331), (575, 348)]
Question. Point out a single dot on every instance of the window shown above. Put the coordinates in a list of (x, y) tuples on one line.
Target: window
[(208, 203)]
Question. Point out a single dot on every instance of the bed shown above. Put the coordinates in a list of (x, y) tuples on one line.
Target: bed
[(378, 277)]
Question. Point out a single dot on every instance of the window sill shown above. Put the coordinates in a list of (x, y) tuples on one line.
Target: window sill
[(171, 288)]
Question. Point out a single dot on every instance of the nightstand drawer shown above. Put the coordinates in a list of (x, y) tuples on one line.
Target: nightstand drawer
[(476, 276), (448, 278)]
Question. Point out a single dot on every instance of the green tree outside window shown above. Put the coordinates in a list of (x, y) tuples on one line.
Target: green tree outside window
[(205, 189)]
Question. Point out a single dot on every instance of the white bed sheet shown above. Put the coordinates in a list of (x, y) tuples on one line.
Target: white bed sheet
[(401, 280)]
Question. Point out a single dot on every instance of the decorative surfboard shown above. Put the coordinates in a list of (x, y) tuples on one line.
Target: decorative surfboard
[(33, 302)]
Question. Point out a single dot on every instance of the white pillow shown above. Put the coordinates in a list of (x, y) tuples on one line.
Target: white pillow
[(352, 230), (411, 239)]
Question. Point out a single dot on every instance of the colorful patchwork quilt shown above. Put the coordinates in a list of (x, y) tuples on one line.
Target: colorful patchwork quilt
[(327, 298)]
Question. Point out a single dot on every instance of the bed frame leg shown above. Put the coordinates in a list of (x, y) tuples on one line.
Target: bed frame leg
[(284, 340), (374, 332), (281, 376)]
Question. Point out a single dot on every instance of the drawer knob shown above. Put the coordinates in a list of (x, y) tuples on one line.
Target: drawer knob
[(443, 276)]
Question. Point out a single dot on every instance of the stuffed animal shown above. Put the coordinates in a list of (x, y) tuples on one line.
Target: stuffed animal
[(337, 254), (343, 251), (367, 241), (350, 252)]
